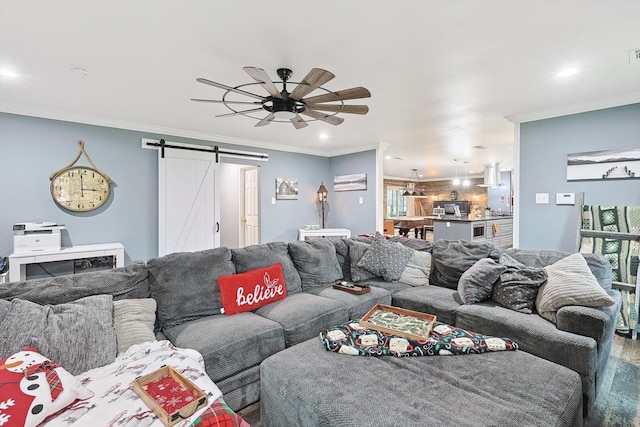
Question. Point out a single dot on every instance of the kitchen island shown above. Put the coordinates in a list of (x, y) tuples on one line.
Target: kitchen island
[(497, 230)]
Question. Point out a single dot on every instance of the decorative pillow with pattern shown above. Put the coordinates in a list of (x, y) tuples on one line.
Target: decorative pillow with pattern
[(570, 282), (33, 388), (518, 285), (134, 320), (386, 259), (417, 271), (356, 252), (253, 289), (476, 284)]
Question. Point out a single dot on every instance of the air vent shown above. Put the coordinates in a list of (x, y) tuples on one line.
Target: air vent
[(634, 56)]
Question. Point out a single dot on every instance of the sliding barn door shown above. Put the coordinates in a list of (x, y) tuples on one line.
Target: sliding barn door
[(188, 203)]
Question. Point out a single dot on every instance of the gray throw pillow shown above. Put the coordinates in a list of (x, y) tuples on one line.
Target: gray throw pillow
[(451, 258), (342, 253), (386, 259), (316, 262), (133, 320), (78, 335), (417, 271), (518, 285), (476, 284), (570, 282)]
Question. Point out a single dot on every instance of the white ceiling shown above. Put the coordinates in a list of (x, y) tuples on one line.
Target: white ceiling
[(445, 76)]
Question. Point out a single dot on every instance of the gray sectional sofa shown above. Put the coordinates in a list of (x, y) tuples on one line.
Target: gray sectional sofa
[(185, 287)]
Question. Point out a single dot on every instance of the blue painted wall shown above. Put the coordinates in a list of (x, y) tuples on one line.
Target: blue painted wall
[(544, 145), (32, 148)]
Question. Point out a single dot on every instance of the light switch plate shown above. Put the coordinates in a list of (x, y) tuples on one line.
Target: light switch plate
[(565, 198), (542, 198)]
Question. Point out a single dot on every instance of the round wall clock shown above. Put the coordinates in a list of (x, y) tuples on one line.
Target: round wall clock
[(80, 189)]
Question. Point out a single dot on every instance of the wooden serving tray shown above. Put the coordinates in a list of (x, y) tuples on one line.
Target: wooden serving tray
[(176, 379), (354, 289), (399, 321)]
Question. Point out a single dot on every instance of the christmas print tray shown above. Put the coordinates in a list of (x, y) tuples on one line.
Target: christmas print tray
[(169, 394), (399, 321)]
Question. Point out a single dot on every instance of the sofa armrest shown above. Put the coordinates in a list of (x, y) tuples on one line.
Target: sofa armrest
[(597, 323)]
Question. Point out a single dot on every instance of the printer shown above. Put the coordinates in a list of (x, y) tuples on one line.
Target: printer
[(31, 237)]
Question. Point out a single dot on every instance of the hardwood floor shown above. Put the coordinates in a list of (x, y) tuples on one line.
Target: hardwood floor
[(617, 404)]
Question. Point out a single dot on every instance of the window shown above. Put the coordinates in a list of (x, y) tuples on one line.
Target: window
[(396, 203)]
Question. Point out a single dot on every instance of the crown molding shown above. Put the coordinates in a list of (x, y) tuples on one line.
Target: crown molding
[(583, 107), (169, 131)]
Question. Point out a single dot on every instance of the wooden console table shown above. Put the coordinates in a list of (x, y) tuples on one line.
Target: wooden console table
[(18, 262)]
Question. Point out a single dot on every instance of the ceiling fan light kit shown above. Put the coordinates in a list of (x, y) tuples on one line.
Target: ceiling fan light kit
[(285, 106)]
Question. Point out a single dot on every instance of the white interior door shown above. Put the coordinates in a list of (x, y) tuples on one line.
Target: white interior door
[(251, 214), (188, 203)]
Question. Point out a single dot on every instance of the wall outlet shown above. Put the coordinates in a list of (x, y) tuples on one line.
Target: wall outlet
[(361, 200), (542, 198)]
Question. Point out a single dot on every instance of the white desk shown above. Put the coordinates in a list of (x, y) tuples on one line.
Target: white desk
[(18, 262), (322, 233)]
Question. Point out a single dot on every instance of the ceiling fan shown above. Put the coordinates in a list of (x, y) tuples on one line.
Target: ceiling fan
[(287, 106)]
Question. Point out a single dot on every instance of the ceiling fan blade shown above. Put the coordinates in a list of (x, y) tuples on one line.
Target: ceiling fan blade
[(232, 89), (266, 120), (323, 117), (340, 108), (218, 101), (261, 76), (298, 123), (240, 112), (341, 95), (312, 81)]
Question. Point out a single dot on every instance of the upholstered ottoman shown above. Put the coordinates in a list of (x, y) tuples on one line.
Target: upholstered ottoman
[(306, 385)]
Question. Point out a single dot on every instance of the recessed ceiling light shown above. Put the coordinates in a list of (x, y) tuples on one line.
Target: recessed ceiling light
[(323, 136), (567, 72), (5, 72)]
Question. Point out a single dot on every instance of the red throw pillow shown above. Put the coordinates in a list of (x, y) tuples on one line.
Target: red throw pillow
[(251, 290)]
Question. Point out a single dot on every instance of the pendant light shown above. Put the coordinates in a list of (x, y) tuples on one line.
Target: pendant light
[(466, 178), (410, 188), (456, 181)]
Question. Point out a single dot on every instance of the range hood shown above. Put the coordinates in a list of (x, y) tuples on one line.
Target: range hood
[(491, 175)]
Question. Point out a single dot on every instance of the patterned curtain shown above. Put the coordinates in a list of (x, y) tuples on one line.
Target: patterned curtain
[(621, 253)]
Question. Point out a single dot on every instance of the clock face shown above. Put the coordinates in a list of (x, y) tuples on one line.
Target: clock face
[(80, 189)]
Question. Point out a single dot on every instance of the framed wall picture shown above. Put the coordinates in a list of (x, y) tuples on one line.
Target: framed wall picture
[(604, 165), (353, 182), (286, 189)]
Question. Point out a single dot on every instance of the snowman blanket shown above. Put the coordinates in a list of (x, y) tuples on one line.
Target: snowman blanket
[(104, 396)]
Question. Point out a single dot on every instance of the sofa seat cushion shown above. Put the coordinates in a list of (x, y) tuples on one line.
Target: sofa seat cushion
[(537, 336), (185, 284), (441, 302), (260, 256), (316, 262), (304, 315), (229, 344), (358, 305), (392, 287)]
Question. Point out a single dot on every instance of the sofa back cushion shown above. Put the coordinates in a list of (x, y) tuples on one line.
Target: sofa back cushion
[(121, 283), (185, 284), (316, 262), (260, 256), (598, 264), (451, 258)]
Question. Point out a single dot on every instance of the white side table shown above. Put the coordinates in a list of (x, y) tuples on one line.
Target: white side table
[(322, 233), (18, 262)]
